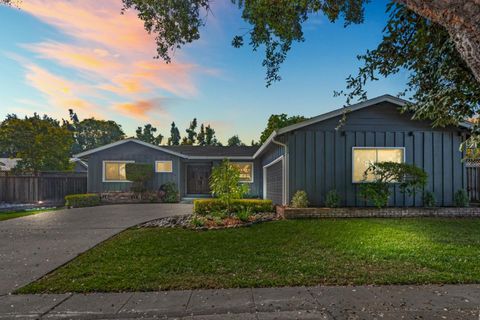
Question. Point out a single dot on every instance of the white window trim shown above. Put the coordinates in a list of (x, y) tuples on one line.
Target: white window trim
[(114, 161), (253, 170), (383, 148), (284, 182), (164, 161)]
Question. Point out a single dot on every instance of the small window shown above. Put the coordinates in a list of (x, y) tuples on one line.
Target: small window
[(163, 166), (115, 171), (364, 157), (246, 171)]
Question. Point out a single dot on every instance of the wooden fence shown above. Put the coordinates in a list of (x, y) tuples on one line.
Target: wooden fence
[(473, 183), (47, 186)]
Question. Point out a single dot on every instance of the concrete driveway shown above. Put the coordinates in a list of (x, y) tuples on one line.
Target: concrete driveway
[(34, 245)]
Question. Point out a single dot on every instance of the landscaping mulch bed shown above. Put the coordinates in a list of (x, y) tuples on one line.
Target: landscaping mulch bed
[(210, 224)]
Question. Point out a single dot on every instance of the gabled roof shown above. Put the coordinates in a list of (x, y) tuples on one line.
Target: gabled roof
[(186, 152), (214, 151), (117, 143), (339, 112)]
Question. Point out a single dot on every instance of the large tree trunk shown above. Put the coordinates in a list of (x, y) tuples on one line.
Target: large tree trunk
[(462, 20)]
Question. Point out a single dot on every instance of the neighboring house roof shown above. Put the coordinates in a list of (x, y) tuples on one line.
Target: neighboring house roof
[(214, 151), (186, 152), (339, 112), (7, 164), (79, 161)]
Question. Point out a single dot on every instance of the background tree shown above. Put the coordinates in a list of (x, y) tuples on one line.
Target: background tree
[(191, 133), (235, 141), (201, 136), (210, 138), (174, 139), (147, 134), (278, 121), (92, 133), (443, 87), (41, 143)]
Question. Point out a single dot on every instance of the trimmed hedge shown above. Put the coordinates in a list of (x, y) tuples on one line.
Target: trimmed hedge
[(82, 200), (206, 206)]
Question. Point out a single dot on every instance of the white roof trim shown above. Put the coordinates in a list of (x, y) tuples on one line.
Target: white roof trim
[(338, 112), (114, 144), (83, 163)]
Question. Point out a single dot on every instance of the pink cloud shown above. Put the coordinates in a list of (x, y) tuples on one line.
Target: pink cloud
[(108, 52)]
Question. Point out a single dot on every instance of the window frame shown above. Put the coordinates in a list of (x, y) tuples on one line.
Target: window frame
[(163, 161), (377, 148), (253, 169), (113, 161)]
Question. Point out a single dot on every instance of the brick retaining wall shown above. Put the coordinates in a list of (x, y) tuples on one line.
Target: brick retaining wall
[(300, 213)]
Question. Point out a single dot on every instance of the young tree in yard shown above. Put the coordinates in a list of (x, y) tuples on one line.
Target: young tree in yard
[(92, 133), (278, 121), (235, 141), (40, 142), (147, 134), (140, 174), (225, 184), (175, 138)]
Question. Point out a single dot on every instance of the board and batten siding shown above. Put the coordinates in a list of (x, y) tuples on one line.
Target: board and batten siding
[(129, 151), (321, 156)]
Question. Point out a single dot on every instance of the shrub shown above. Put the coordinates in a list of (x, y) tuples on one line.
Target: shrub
[(225, 184), (82, 200), (169, 193), (429, 200), (244, 214), (461, 198), (207, 206), (408, 177), (139, 174), (299, 200), (332, 199), (198, 221)]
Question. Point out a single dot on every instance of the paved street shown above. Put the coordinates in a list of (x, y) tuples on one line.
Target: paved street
[(34, 245), (363, 302)]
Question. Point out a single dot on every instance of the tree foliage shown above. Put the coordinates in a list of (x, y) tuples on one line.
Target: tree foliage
[(92, 133), (148, 134), (225, 184), (140, 174), (210, 137), (175, 137), (235, 141), (443, 87), (408, 177), (278, 121), (41, 143), (190, 139)]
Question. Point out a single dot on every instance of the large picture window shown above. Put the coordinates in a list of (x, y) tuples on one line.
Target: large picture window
[(163, 166), (364, 157), (115, 171), (246, 171)]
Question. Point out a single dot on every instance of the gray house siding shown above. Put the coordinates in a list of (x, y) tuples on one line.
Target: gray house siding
[(321, 157), (129, 151)]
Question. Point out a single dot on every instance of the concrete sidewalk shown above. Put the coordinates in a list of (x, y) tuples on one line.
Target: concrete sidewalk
[(362, 302)]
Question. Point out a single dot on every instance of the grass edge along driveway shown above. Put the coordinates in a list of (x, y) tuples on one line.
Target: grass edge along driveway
[(23, 213), (282, 253)]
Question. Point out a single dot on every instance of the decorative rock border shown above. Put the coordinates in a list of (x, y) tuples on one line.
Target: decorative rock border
[(391, 212)]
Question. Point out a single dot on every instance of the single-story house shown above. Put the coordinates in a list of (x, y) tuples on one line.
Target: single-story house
[(315, 155)]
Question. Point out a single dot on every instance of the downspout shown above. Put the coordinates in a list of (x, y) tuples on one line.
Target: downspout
[(285, 171)]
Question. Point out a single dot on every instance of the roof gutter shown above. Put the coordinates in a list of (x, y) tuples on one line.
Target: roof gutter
[(286, 194)]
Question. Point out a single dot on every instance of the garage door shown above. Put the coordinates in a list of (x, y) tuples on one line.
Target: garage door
[(274, 182)]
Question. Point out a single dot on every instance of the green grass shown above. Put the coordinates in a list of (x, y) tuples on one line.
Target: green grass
[(21, 213), (282, 253)]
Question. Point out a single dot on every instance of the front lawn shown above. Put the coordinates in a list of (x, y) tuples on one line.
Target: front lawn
[(21, 213), (282, 253)]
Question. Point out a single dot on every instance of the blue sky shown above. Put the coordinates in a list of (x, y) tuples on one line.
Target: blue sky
[(84, 55)]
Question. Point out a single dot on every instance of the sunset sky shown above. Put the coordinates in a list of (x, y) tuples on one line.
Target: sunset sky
[(83, 54)]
